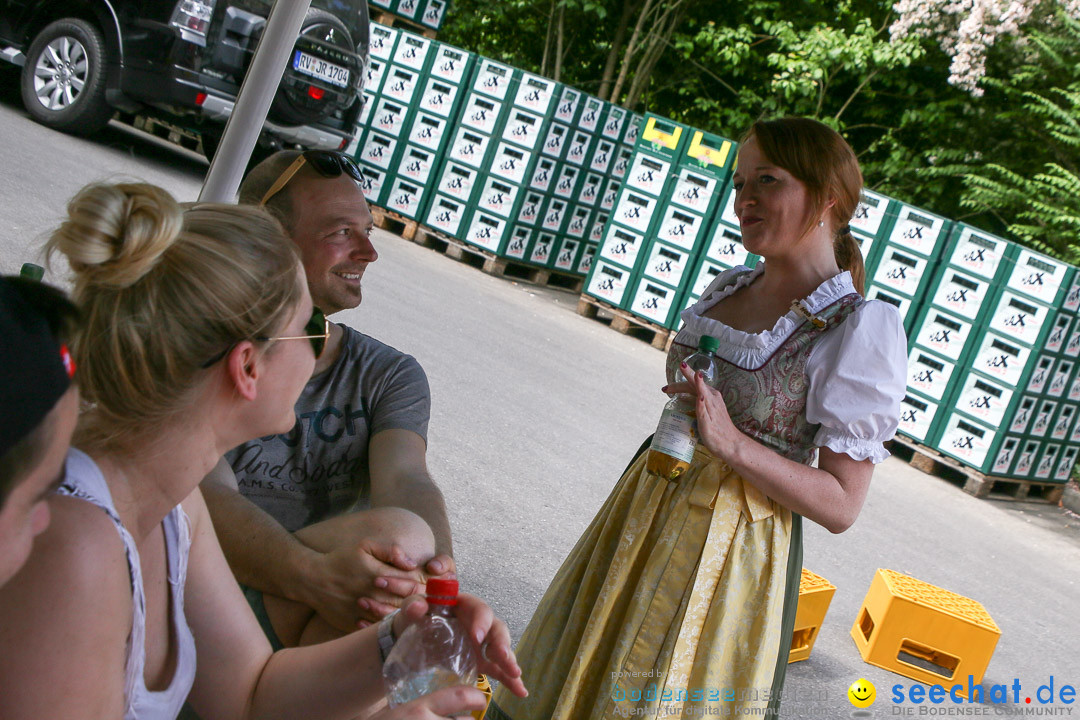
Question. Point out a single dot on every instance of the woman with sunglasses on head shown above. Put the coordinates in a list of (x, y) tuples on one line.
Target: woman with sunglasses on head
[(199, 334), (679, 599)]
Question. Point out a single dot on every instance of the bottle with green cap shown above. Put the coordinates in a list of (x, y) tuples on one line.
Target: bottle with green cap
[(672, 448), (30, 271)]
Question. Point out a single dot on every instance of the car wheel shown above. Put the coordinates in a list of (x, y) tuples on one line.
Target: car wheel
[(291, 106), (63, 80)]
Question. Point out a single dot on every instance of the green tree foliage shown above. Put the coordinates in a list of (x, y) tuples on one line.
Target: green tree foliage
[(1035, 196)]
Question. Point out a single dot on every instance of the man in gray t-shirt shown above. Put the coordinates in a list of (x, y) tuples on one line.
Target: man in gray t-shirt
[(331, 525)]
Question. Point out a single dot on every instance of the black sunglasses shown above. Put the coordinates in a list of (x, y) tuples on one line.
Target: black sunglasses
[(317, 329), (328, 163)]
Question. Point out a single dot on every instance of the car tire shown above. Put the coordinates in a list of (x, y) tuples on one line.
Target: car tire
[(63, 80), (283, 109)]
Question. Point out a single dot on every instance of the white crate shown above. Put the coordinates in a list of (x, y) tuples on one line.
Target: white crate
[(1037, 276), (519, 243), (450, 63), (648, 174), (1019, 318), (621, 246), (943, 333), (510, 162), (966, 439), (984, 399), (567, 105), (438, 97), (917, 231), (535, 93), (901, 271), (961, 293), (458, 181), (469, 147), (389, 117), (917, 416), (1001, 359), (405, 197), (412, 50), (680, 227), (523, 127), (486, 230), (929, 374), (653, 301), (694, 190), (416, 164), (635, 210), (497, 196), (493, 78), (427, 131), (481, 113), (543, 175), (400, 83), (978, 253), (379, 151), (869, 213), (446, 214), (726, 247)]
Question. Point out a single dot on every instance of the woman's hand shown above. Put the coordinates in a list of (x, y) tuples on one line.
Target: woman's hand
[(452, 702), (490, 636), (715, 429)]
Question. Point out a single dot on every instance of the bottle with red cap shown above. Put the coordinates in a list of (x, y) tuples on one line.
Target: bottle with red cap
[(433, 653)]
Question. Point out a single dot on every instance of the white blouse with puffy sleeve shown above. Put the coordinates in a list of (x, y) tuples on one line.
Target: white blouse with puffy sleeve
[(857, 371)]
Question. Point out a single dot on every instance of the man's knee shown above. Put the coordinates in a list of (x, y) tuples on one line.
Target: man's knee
[(402, 527)]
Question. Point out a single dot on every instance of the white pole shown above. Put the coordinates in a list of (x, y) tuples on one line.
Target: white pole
[(253, 102)]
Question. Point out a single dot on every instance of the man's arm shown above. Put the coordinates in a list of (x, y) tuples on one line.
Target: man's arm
[(397, 460), (249, 535), (267, 557)]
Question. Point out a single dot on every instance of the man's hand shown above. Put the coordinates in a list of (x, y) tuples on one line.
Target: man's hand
[(354, 586), (441, 566)]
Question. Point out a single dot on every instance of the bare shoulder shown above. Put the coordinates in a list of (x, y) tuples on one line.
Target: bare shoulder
[(66, 620)]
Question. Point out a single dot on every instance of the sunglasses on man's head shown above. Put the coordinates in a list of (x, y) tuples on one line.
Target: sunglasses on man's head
[(318, 329), (328, 163)]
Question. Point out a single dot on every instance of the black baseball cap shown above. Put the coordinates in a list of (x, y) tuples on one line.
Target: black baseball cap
[(36, 368)]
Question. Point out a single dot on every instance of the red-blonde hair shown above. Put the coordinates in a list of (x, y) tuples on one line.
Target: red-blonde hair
[(820, 159)]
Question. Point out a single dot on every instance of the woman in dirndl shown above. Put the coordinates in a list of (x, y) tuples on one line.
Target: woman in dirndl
[(680, 597)]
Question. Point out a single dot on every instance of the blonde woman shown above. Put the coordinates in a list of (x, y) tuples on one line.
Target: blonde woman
[(199, 334)]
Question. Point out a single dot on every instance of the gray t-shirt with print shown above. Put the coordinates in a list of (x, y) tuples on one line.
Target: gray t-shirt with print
[(320, 468)]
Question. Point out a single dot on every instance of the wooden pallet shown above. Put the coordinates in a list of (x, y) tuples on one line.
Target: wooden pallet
[(392, 222), (626, 323), (493, 265), (972, 481), (390, 20)]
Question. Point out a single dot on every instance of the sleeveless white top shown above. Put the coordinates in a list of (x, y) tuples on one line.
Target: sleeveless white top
[(84, 480)]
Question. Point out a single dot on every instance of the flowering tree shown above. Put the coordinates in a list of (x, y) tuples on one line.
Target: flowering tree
[(966, 29)]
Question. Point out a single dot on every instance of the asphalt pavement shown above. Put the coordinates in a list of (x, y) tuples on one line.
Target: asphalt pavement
[(536, 411)]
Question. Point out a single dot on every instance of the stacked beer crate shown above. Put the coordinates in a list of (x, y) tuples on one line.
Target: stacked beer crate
[(652, 248), (567, 204), (412, 92), (427, 14), (993, 361)]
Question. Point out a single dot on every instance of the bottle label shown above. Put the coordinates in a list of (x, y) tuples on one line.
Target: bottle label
[(675, 435)]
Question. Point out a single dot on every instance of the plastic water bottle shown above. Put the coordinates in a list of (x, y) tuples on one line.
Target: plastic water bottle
[(434, 653), (672, 448)]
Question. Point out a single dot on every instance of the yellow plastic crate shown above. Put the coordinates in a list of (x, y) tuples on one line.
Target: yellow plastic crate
[(924, 632), (484, 686), (815, 594)]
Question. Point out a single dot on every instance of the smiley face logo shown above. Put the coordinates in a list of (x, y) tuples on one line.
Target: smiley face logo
[(862, 693)]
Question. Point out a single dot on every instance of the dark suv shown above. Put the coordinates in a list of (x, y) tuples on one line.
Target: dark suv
[(182, 61)]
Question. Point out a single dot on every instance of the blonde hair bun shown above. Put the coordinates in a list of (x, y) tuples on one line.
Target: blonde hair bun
[(115, 234)]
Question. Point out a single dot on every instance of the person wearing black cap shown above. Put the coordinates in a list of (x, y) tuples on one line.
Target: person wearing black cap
[(39, 404)]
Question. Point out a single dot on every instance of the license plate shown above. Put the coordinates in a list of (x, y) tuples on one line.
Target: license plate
[(318, 68)]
